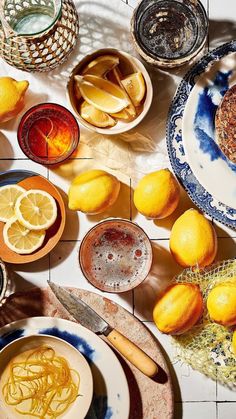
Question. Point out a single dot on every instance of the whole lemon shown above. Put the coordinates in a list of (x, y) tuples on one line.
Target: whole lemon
[(93, 192), (193, 240), (234, 343), (179, 309), (221, 303), (157, 194), (12, 93)]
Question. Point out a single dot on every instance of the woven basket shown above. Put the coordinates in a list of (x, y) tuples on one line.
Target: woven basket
[(39, 52)]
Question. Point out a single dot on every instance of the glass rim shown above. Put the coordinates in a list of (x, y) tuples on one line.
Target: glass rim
[(161, 58), (57, 12), (135, 283)]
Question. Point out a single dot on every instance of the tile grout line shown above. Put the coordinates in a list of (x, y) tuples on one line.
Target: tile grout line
[(26, 159), (130, 217), (49, 258), (49, 266), (130, 199), (198, 401)]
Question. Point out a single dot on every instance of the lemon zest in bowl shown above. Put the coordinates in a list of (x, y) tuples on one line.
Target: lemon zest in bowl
[(42, 385)]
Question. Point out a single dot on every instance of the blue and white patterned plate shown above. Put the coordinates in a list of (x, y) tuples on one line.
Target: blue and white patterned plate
[(111, 396), (177, 154), (208, 163)]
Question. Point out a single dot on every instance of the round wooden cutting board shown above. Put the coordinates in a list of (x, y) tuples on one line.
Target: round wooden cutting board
[(150, 399)]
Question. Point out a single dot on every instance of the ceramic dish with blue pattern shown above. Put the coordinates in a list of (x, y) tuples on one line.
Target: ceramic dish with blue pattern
[(208, 163), (200, 195), (111, 395)]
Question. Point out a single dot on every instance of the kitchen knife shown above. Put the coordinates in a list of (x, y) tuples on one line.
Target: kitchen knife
[(87, 317)]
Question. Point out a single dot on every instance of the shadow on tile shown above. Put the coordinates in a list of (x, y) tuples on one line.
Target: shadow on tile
[(221, 32), (178, 412), (222, 232), (96, 31), (6, 150), (120, 209), (40, 265), (226, 248), (164, 268), (175, 383), (18, 306), (71, 231), (184, 204)]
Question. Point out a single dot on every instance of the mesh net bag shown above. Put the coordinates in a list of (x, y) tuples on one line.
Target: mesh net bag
[(207, 347)]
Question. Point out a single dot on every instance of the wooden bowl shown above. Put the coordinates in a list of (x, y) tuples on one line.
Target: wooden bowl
[(130, 64), (30, 180)]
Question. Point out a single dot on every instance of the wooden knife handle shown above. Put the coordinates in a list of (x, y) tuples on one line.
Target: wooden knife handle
[(133, 353)]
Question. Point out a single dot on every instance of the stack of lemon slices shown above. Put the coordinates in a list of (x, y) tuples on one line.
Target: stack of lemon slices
[(105, 95), (27, 215)]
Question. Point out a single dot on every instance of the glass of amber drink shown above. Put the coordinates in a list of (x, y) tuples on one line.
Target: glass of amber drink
[(48, 133)]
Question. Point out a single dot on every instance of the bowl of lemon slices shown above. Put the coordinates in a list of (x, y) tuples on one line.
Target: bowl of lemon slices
[(32, 216), (110, 91)]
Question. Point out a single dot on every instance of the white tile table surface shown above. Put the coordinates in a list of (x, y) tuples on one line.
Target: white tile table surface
[(106, 24)]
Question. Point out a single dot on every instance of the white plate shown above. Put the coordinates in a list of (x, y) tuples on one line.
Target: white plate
[(111, 392), (210, 166)]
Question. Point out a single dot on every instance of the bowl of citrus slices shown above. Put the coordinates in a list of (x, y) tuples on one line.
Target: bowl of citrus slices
[(110, 91), (32, 216)]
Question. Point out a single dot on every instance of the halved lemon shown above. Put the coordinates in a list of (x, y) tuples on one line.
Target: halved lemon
[(20, 239), (102, 94), (96, 117), (134, 85), (101, 65), (8, 197), (36, 209)]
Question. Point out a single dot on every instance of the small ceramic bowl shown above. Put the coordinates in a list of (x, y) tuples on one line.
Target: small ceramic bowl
[(115, 255), (75, 359), (169, 33), (130, 65)]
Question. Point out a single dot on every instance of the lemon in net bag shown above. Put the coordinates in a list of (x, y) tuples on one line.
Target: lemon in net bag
[(208, 346)]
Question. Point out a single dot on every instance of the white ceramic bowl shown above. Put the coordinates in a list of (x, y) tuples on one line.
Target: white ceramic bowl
[(130, 62), (75, 359)]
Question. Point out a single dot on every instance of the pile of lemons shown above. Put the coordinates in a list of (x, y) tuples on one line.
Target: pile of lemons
[(193, 239)]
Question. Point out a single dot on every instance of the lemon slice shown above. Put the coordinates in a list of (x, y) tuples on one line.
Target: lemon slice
[(20, 239), (36, 209), (134, 85), (96, 117), (101, 65), (102, 94), (129, 112), (8, 197), (124, 114)]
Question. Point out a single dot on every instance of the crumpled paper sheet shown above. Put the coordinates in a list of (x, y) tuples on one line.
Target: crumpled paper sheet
[(132, 156)]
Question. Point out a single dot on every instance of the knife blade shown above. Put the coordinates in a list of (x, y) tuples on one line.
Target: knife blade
[(80, 310), (89, 318)]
